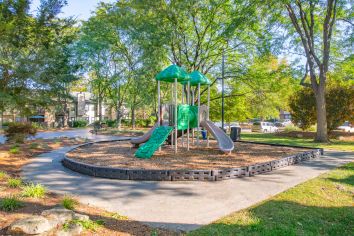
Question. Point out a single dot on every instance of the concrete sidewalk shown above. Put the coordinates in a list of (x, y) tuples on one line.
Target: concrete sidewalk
[(175, 205)]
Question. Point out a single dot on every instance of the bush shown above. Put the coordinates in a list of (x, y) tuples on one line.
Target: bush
[(34, 190), (290, 128), (18, 132), (10, 203), (14, 182), (151, 120), (79, 123), (111, 123), (69, 202), (339, 104)]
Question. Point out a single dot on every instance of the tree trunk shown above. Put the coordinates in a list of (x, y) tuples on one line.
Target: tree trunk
[(321, 132), (66, 115), (119, 117), (2, 120), (133, 116), (100, 109)]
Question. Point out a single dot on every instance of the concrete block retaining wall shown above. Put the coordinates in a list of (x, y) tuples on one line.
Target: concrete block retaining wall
[(189, 175)]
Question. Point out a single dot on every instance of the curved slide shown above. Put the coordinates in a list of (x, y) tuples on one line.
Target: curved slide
[(225, 143), (145, 137)]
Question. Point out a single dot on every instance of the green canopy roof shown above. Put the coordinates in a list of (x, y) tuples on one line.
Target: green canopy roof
[(170, 73), (198, 78)]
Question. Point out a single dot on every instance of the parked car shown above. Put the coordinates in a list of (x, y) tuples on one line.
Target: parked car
[(346, 127), (264, 127)]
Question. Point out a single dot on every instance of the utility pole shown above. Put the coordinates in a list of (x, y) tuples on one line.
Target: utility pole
[(222, 89)]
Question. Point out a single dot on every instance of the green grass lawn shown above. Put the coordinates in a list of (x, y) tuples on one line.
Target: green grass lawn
[(321, 206), (271, 138)]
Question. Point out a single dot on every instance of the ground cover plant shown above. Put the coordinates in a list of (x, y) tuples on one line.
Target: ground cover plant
[(69, 202), (321, 206), (10, 203), (34, 190)]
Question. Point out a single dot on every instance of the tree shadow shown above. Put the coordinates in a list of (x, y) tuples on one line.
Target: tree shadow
[(284, 218)]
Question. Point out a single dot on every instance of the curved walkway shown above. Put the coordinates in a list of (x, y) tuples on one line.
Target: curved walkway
[(174, 205)]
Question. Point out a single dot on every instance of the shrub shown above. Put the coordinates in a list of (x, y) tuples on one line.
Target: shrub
[(339, 107), (34, 190), (69, 202), (10, 203), (14, 182), (17, 132), (290, 128), (78, 123), (3, 175), (111, 123), (151, 120)]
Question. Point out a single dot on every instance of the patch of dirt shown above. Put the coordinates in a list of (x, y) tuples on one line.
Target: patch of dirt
[(121, 154), (340, 135)]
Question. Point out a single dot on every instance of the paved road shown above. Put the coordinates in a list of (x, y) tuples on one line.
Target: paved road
[(175, 205), (83, 133)]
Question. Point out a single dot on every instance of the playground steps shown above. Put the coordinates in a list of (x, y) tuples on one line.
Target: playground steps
[(157, 138)]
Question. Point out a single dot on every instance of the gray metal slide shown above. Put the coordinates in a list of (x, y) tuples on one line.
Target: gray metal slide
[(225, 143), (144, 138)]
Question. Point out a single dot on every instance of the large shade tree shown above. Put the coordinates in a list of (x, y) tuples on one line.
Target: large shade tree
[(319, 30)]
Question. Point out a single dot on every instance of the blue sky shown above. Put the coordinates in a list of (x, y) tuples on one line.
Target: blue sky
[(79, 8)]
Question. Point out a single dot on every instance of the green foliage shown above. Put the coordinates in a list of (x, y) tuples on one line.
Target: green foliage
[(69, 202), (86, 224), (303, 108), (34, 145), (339, 107), (290, 128), (17, 132), (111, 123), (3, 175), (10, 203), (34, 190), (14, 182), (79, 123), (14, 150), (45, 39)]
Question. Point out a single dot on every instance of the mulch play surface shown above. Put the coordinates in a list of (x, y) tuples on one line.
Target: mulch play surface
[(121, 155), (11, 163)]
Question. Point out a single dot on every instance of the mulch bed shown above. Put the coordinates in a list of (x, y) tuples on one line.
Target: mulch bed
[(12, 164), (121, 155)]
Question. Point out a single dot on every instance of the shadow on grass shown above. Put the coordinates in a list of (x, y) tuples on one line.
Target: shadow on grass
[(348, 180), (284, 218)]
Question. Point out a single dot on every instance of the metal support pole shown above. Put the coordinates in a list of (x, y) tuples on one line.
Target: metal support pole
[(159, 114), (172, 136), (182, 103), (158, 103), (222, 89), (175, 115), (188, 102), (208, 112), (198, 118), (192, 105)]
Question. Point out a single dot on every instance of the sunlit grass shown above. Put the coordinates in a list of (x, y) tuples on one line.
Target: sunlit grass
[(321, 206), (69, 202), (271, 138)]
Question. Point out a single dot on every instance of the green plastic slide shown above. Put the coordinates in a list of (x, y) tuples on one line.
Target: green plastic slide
[(157, 138)]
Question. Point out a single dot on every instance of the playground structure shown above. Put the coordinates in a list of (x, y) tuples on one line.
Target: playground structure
[(180, 120)]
